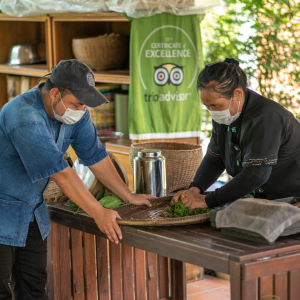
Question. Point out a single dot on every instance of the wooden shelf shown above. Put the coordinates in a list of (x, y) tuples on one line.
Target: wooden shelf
[(37, 18), (69, 26), (114, 76), (119, 146), (102, 17), (28, 70)]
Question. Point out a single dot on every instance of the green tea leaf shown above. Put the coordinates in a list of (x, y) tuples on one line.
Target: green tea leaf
[(75, 207), (100, 194), (178, 210), (111, 201)]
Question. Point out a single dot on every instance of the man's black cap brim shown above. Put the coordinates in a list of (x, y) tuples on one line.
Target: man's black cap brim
[(91, 97)]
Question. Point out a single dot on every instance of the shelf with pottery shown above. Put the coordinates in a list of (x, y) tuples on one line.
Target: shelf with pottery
[(25, 30)]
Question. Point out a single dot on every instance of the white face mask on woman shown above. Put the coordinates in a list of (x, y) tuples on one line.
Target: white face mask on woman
[(223, 116), (70, 116)]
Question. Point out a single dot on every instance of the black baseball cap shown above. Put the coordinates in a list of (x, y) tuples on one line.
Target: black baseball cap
[(79, 79)]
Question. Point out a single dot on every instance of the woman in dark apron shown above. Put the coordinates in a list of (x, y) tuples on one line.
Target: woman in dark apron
[(254, 138)]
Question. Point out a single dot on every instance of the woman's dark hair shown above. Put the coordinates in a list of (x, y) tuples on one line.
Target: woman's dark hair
[(49, 86), (223, 78)]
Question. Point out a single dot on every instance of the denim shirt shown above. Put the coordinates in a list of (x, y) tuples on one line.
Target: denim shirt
[(32, 147)]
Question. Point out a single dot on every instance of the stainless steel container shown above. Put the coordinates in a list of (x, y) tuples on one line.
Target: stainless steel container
[(150, 173), (27, 54)]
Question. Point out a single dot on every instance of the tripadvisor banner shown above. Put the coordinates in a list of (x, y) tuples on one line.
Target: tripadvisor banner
[(165, 60)]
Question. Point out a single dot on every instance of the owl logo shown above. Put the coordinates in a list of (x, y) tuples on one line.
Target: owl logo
[(168, 73)]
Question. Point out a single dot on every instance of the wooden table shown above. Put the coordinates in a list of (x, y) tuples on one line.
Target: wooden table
[(256, 270)]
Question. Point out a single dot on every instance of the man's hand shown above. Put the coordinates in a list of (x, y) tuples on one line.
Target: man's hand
[(190, 199), (140, 199), (75, 190), (106, 220)]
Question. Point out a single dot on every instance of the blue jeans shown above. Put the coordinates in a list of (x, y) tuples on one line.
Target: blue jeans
[(26, 266)]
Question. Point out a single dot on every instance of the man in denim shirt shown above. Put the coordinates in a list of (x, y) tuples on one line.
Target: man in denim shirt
[(36, 128)]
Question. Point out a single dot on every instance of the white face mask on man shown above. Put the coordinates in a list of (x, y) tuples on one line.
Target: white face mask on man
[(223, 116), (70, 116)]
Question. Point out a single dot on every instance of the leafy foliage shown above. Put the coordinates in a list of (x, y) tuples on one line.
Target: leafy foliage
[(111, 201), (105, 200), (271, 51), (178, 210)]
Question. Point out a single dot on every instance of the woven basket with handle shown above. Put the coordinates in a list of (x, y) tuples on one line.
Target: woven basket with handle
[(182, 161), (102, 52)]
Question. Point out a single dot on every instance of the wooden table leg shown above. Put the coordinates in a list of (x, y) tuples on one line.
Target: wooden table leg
[(178, 280), (235, 270)]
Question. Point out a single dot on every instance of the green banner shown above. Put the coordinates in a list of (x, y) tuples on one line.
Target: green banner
[(165, 60)]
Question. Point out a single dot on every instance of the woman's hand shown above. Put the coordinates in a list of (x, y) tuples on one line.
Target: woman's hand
[(141, 199), (193, 190), (190, 199)]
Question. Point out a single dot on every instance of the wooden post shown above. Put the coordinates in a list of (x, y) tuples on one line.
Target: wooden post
[(49, 286), (152, 278), (140, 274), (115, 271), (178, 280), (77, 264), (90, 266), (102, 268), (127, 272), (163, 277), (235, 270), (61, 262)]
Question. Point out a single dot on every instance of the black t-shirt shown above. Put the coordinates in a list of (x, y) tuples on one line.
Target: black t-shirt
[(265, 134)]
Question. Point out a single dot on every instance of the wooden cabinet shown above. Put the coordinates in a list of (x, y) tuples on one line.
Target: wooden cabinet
[(57, 32)]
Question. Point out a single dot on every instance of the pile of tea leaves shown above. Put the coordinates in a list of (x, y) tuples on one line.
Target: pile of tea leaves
[(103, 198), (178, 210)]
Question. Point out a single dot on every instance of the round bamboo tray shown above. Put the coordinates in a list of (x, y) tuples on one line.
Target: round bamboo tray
[(150, 216)]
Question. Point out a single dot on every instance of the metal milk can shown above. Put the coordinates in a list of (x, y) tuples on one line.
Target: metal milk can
[(149, 169)]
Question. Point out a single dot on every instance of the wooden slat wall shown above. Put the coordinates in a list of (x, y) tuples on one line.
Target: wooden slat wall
[(82, 266), (278, 286)]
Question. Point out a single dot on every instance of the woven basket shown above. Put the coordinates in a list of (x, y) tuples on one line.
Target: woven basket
[(102, 52), (182, 161), (53, 192)]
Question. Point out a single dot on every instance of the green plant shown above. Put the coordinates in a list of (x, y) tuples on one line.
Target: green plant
[(271, 49)]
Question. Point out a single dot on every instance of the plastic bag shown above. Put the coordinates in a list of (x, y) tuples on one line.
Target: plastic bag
[(147, 8), (20, 8), (85, 174)]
